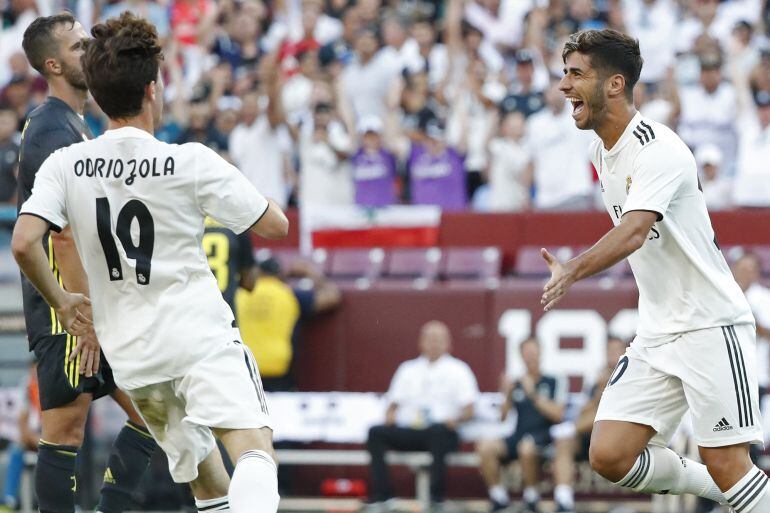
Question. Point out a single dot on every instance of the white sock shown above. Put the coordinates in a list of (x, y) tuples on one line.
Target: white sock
[(564, 496), (531, 494), (749, 495), (499, 494), (254, 486), (661, 470), (211, 505)]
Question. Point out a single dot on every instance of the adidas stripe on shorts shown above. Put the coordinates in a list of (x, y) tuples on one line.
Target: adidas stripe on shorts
[(711, 371)]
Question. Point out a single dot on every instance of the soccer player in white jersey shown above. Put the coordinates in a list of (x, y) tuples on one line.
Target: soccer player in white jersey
[(695, 343), (136, 207)]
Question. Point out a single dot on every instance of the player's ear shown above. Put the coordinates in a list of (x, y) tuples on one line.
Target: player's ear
[(617, 85), (150, 91), (52, 66)]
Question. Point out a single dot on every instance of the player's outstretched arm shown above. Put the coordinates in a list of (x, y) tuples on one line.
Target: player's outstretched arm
[(273, 224), (32, 260), (616, 245)]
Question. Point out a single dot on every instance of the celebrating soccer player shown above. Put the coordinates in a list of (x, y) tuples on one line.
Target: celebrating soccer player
[(695, 342), (137, 208)]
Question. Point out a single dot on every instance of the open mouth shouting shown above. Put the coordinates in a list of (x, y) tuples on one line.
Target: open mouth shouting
[(578, 106)]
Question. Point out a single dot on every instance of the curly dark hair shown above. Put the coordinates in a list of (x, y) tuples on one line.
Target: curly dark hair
[(610, 52), (121, 59)]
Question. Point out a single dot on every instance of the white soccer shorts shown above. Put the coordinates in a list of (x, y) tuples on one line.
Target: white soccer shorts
[(223, 390), (711, 371)]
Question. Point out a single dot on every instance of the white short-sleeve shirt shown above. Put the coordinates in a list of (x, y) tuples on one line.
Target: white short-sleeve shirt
[(137, 207), (432, 392), (683, 279)]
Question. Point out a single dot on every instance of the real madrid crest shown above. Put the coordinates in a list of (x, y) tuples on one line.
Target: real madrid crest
[(628, 184)]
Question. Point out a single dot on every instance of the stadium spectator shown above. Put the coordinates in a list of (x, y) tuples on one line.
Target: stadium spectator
[(560, 184), (510, 167), (259, 144), (200, 128), (270, 317), (238, 44), (653, 23), (429, 397), (373, 167), (339, 52), (717, 188), (157, 14), (539, 401), (748, 271), (29, 438), (472, 117), (708, 110), (324, 147), (523, 95), (367, 79), (17, 16), (9, 154), (572, 438), (401, 51), (752, 180)]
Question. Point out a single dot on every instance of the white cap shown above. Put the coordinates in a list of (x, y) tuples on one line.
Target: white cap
[(708, 154), (370, 124)]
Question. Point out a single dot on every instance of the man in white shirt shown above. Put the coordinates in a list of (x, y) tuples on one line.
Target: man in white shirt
[(560, 183), (708, 112), (259, 144), (695, 342), (136, 207), (748, 271), (367, 80), (429, 398), (752, 176), (717, 188)]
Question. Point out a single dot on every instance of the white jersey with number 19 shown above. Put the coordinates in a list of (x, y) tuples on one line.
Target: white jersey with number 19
[(683, 279), (137, 208)]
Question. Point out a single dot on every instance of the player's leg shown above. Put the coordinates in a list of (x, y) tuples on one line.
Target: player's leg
[(63, 418), (491, 455), (380, 440), (128, 460), (565, 448), (725, 411), (254, 485), (210, 488), (529, 459), (441, 441), (638, 413)]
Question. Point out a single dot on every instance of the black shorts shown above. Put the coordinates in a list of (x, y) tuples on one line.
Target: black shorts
[(59, 380), (542, 439)]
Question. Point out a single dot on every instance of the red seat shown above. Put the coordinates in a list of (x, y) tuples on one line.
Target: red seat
[(529, 261), (413, 263), (472, 263), (356, 263)]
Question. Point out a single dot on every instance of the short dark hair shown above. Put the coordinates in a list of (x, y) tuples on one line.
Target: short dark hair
[(610, 52), (39, 41), (121, 59)]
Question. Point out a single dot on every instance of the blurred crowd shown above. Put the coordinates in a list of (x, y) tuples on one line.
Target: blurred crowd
[(453, 103)]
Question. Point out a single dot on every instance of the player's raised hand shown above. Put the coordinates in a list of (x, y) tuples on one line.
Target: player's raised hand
[(72, 313), (90, 353), (560, 282)]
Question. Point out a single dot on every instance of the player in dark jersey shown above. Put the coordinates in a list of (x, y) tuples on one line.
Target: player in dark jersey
[(230, 258), (71, 371)]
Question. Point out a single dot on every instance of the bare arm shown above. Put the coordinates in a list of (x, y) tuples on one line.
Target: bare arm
[(248, 279), (32, 260), (273, 223), (326, 294), (270, 73), (552, 410), (616, 245), (390, 414)]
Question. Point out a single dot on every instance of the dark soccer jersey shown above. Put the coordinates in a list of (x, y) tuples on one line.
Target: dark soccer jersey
[(529, 417), (50, 126), (229, 256)]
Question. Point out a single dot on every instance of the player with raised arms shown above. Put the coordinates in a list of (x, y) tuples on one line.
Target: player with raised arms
[(136, 207), (695, 342)]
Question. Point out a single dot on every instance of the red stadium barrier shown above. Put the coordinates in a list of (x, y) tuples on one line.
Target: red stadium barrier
[(510, 232)]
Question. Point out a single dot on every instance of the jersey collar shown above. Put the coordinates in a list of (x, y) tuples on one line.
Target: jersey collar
[(127, 132), (625, 137)]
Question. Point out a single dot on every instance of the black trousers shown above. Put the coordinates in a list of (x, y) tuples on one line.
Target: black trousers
[(437, 439)]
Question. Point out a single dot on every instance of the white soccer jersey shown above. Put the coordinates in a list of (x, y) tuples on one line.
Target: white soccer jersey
[(137, 206), (684, 282)]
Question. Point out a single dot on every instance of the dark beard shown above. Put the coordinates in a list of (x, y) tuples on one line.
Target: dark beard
[(597, 106), (74, 77)]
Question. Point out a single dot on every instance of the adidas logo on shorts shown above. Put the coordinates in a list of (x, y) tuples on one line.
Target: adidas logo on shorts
[(722, 425)]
